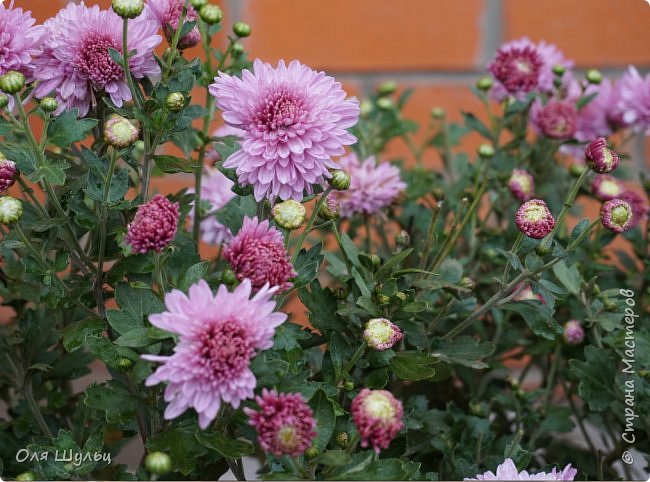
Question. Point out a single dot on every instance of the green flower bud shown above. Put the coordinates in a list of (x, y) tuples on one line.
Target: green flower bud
[(228, 276), (4, 101), (384, 103), (12, 82), (175, 101), (197, 4), (49, 104), (609, 304), (11, 210), (124, 364), (128, 8), (485, 83), (340, 180), (467, 282), (594, 76), (365, 108), (387, 88), (120, 132), (289, 214), (403, 239), (486, 150), (26, 476), (559, 70), (330, 209), (375, 260), (383, 299), (438, 113), (312, 452), (241, 29), (542, 249), (400, 295), (211, 14), (138, 150), (348, 386), (158, 463), (557, 82), (237, 50), (342, 439)]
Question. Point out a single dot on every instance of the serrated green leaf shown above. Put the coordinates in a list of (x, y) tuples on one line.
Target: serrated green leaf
[(226, 446), (67, 128), (74, 335), (325, 416), (413, 365), (463, 350)]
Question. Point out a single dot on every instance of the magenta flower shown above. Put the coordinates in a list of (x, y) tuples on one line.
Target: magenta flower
[(633, 100), (599, 157), (76, 65), (284, 422), (558, 119), (606, 187), (508, 471), (372, 188), (218, 335), (8, 174), (616, 215), (216, 191), (257, 253), (639, 205), (295, 120), (20, 40), (521, 184), (534, 219), (573, 332), (154, 225), (377, 415), (381, 334), (168, 14)]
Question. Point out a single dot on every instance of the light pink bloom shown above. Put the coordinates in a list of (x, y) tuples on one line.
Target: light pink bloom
[(76, 64), (168, 12), (154, 225), (218, 335), (521, 184), (372, 188), (606, 187), (295, 120), (20, 40), (558, 119), (216, 190), (633, 100), (508, 471)]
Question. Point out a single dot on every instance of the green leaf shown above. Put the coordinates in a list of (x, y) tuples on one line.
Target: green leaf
[(119, 186), (413, 365), (226, 446), (232, 214), (53, 172), (451, 270), (579, 228), (597, 378), (322, 307), (472, 122), (182, 447), (568, 276), (325, 415), (538, 316), (118, 405), (108, 352), (307, 265), (75, 334), (350, 250), (463, 350), (333, 458), (195, 273), (138, 337), (384, 469), (67, 128), (138, 302), (392, 263), (172, 164)]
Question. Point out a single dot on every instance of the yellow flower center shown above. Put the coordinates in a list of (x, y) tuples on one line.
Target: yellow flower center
[(611, 188), (535, 213), (620, 215), (378, 405), (287, 437)]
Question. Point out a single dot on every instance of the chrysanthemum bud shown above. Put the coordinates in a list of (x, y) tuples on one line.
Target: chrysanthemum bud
[(342, 439), (377, 415), (401, 296), (158, 463), (330, 209), (387, 88), (606, 187), (467, 282), (384, 103), (534, 219), (154, 225), (348, 386), (26, 476), (616, 215), (12, 82), (128, 8), (403, 239), (380, 334), (594, 76), (124, 364), (120, 132), (289, 214), (175, 101), (312, 452), (601, 158), (229, 277), (340, 180), (485, 83), (211, 14), (573, 333), (241, 29), (559, 70), (485, 150), (138, 150), (521, 184), (383, 299), (8, 174), (49, 104), (237, 50), (438, 113), (365, 108), (4, 101), (11, 210), (197, 4)]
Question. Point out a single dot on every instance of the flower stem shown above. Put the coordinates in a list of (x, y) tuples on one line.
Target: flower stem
[(515, 248), (174, 45), (135, 94), (310, 223), (36, 411)]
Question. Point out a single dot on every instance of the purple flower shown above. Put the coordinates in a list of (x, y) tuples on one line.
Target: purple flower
[(295, 120), (595, 119), (633, 100), (218, 335), (558, 119), (639, 205), (8, 174), (257, 253), (154, 225), (381, 334), (76, 64), (599, 157), (606, 187), (616, 215), (372, 188), (521, 184), (284, 422), (168, 13), (534, 219), (216, 191), (377, 415), (508, 471), (573, 332)]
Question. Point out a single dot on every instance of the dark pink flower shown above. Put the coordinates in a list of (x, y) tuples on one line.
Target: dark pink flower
[(168, 14), (284, 422), (377, 415), (616, 215), (573, 332), (516, 66), (257, 253), (639, 205), (606, 187), (8, 174), (558, 119), (521, 184), (154, 225), (534, 219), (599, 157)]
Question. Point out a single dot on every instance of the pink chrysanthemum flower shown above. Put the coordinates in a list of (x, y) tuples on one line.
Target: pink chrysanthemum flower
[(76, 64), (168, 13), (595, 119), (521, 184), (216, 191), (558, 119), (573, 332), (508, 471), (377, 415), (534, 219), (372, 188), (526, 293), (606, 187), (381, 334), (639, 205), (295, 120), (284, 422), (257, 253), (633, 100), (154, 225), (218, 335), (8, 174), (616, 215), (599, 157)]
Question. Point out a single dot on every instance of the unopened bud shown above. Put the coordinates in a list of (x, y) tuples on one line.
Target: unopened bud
[(384, 103), (485, 150), (211, 14), (124, 364), (340, 180), (120, 132), (241, 29), (228, 276), (8, 174), (366, 108), (49, 104), (387, 88), (381, 334), (128, 8), (403, 239), (438, 113), (375, 260), (485, 83), (342, 439), (330, 209), (289, 214), (11, 210), (467, 282), (158, 463), (400, 295), (197, 4), (175, 101), (26, 476), (12, 82), (559, 70), (4, 101), (237, 49), (348, 386), (312, 452), (594, 76)]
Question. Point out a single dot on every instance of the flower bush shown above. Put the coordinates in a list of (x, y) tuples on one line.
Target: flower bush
[(468, 321)]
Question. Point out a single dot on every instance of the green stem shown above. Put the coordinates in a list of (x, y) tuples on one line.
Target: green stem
[(158, 273), (310, 223), (355, 358), (428, 242), (174, 45), (550, 381), (36, 411), (30, 192), (125, 65), (515, 248), (337, 235)]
